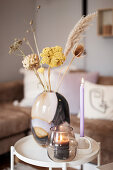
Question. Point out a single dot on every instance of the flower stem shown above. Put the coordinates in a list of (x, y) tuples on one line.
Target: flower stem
[(59, 76), (18, 54), (21, 52), (36, 73), (66, 71), (49, 78), (28, 43), (46, 82), (36, 44)]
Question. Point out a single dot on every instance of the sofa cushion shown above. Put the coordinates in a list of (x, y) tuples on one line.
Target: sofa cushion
[(100, 130), (105, 80), (98, 101), (10, 91), (13, 120), (71, 91), (70, 87)]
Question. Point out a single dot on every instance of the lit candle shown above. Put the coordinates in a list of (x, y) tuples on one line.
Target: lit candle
[(61, 146), (82, 108)]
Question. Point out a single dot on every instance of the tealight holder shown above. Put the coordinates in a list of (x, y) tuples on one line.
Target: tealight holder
[(84, 146), (63, 145)]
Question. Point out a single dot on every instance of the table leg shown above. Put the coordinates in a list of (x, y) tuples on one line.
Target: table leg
[(12, 158), (50, 168), (99, 156), (64, 167), (82, 167)]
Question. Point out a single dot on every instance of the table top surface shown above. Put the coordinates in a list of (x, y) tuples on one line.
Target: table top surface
[(28, 150)]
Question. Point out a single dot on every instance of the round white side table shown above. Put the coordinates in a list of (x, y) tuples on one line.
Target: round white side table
[(27, 150)]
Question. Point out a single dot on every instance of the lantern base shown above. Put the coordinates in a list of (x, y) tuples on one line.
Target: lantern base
[(84, 145)]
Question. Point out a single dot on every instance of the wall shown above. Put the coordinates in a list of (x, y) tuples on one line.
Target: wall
[(14, 16), (99, 49)]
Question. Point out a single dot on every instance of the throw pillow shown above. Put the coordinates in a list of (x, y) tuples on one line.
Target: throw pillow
[(98, 101), (70, 87), (32, 87)]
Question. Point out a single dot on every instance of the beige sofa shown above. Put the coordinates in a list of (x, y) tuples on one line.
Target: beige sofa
[(15, 121)]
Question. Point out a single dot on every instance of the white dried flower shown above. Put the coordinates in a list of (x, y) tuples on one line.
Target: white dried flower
[(31, 61)]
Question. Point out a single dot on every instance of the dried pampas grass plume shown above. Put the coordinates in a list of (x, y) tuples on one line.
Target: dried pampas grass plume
[(76, 34)]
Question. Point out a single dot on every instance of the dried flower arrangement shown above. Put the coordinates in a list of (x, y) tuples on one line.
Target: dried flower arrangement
[(52, 56)]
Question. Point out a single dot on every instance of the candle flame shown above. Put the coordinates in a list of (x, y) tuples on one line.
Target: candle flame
[(61, 138), (82, 80)]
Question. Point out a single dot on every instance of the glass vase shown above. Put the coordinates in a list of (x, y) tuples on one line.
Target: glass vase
[(49, 109)]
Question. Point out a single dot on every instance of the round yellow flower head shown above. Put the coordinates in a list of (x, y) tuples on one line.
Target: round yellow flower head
[(57, 49), (41, 70), (46, 50), (53, 56)]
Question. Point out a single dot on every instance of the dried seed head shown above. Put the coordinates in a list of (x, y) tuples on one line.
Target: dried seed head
[(31, 22), (38, 7), (15, 46), (79, 50), (27, 31), (84, 53), (31, 61), (24, 39)]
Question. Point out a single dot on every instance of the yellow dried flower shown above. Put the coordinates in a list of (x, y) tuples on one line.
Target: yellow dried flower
[(46, 51), (53, 56), (57, 49), (41, 70), (31, 61)]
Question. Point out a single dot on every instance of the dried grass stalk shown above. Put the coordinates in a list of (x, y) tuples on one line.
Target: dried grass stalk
[(36, 73), (49, 82), (46, 82), (76, 53), (34, 36), (76, 34)]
